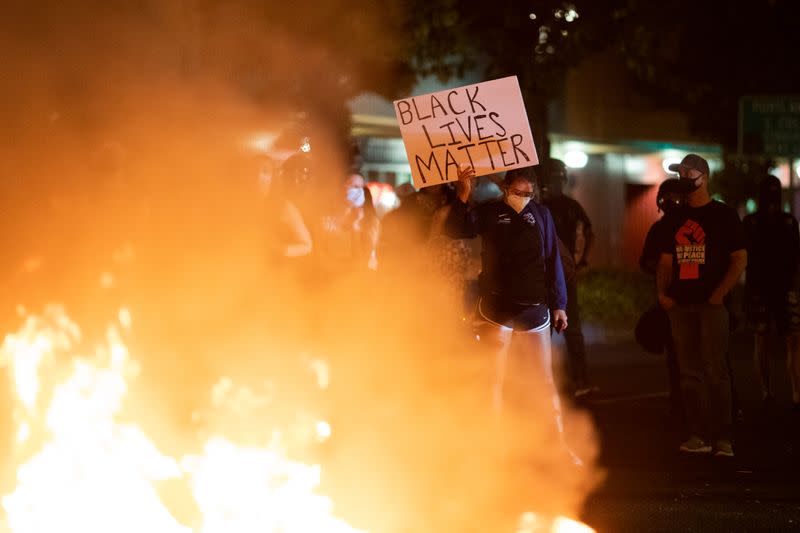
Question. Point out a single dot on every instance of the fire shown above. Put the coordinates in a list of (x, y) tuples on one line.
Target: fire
[(81, 468), (92, 473)]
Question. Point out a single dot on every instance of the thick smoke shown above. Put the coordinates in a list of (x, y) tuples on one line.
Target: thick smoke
[(128, 180)]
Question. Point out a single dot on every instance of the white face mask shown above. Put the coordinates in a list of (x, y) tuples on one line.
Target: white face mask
[(355, 196), (517, 203)]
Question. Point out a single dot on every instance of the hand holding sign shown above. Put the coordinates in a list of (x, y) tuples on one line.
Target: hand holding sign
[(465, 176), (483, 126)]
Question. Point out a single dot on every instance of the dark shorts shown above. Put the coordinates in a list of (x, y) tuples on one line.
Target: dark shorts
[(767, 307), (516, 316)]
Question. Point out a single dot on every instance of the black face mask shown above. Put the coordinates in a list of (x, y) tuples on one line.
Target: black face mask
[(690, 185)]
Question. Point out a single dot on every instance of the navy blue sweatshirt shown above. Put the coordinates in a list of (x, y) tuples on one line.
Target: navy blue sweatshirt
[(516, 267)]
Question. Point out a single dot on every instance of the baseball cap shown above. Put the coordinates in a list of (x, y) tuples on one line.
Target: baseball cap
[(553, 169), (691, 161)]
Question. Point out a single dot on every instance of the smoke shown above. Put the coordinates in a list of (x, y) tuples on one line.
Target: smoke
[(128, 179)]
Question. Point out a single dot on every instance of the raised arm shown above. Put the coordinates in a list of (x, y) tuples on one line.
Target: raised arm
[(299, 238), (462, 223)]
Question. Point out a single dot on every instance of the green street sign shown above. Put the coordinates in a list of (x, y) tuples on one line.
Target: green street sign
[(770, 125)]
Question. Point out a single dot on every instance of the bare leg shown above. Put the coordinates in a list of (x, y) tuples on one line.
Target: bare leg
[(761, 360), (497, 339), (536, 364)]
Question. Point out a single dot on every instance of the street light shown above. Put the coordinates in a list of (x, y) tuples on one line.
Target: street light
[(576, 159)]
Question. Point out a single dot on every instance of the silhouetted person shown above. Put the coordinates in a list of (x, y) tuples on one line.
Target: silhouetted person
[(771, 289), (575, 230), (522, 289), (702, 257), (668, 199)]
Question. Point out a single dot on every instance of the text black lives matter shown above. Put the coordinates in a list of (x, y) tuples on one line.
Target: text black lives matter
[(457, 128)]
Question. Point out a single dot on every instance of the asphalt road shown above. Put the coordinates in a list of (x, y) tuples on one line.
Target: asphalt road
[(650, 487)]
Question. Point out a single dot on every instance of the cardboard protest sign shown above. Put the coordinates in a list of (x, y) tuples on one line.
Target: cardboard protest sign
[(483, 125)]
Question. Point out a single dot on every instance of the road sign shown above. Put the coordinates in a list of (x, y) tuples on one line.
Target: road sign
[(770, 125)]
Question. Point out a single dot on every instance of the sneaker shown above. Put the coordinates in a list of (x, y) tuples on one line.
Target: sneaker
[(723, 449), (695, 444)]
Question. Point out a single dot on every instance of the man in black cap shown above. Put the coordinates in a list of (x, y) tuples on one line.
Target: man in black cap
[(771, 289), (668, 199), (703, 255), (574, 229)]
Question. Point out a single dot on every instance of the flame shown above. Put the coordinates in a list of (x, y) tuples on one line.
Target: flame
[(94, 474), (81, 468), (533, 523)]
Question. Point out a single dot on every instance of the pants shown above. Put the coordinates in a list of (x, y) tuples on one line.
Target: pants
[(576, 349), (674, 374), (700, 333)]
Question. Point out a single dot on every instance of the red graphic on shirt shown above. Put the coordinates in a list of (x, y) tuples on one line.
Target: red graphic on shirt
[(690, 249)]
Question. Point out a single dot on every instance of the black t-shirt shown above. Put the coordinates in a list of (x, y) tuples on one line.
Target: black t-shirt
[(701, 240), (567, 213), (652, 248), (773, 251)]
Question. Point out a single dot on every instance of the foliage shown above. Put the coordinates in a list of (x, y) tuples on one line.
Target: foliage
[(536, 41), (696, 56), (702, 56), (615, 298), (739, 180)]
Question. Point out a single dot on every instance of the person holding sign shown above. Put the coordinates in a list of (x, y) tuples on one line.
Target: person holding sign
[(522, 287)]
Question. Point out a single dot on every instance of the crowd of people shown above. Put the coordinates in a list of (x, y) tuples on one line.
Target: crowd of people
[(522, 286), (534, 241)]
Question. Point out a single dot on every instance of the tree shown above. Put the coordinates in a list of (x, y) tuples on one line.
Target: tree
[(536, 41), (701, 57)]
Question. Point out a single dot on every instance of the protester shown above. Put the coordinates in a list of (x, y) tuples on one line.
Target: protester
[(668, 200), (289, 233), (702, 257), (522, 289), (574, 229), (349, 230), (771, 289), (406, 231), (451, 257)]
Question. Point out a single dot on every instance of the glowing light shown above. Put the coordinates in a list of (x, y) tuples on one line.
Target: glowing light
[(576, 159), (571, 15), (305, 146), (563, 524), (124, 318), (532, 16), (323, 430), (635, 165), (670, 161), (532, 523), (384, 196), (320, 369), (261, 142), (750, 206)]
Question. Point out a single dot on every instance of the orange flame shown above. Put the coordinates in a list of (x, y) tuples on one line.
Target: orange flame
[(95, 474), (81, 469)]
